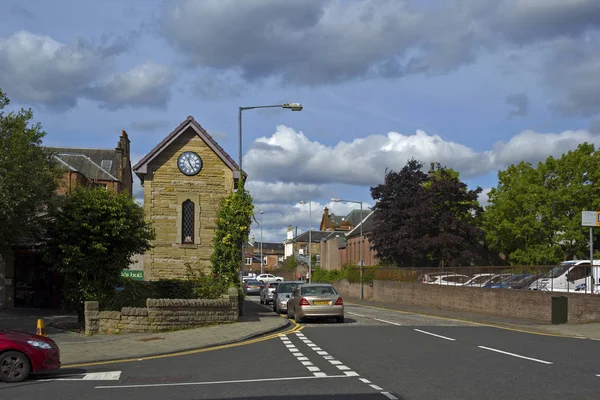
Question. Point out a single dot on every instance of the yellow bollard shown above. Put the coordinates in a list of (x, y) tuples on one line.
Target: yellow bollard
[(41, 328)]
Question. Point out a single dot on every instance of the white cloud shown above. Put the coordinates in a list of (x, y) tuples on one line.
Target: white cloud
[(40, 70), (277, 217), (483, 197), (283, 192), (292, 157), (147, 84)]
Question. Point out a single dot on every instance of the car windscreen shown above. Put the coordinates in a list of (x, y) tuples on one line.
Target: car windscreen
[(318, 290), (286, 287), (557, 271)]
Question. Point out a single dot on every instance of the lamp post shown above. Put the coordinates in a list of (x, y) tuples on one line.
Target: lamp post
[(309, 241), (360, 248), (289, 106), (262, 262)]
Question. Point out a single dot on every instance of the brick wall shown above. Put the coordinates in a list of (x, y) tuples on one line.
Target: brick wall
[(161, 315), (527, 304)]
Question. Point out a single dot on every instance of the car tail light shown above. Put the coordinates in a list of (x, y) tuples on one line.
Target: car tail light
[(339, 302), (262, 287), (304, 302), (248, 287)]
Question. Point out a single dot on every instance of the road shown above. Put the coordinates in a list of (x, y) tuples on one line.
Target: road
[(375, 354)]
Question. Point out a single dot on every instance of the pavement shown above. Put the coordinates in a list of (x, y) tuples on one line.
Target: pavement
[(77, 349), (377, 353)]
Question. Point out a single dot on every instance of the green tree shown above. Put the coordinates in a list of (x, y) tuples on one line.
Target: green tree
[(93, 237), (28, 177), (534, 215), (289, 264), (234, 219)]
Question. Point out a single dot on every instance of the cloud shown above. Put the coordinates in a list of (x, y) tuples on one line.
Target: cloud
[(336, 41), (214, 87), (39, 70), (277, 217), (21, 12), (573, 70), (291, 157), (283, 192), (483, 197), (521, 103), (595, 127), (150, 125), (147, 84)]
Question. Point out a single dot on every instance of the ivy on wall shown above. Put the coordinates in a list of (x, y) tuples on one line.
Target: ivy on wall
[(234, 219)]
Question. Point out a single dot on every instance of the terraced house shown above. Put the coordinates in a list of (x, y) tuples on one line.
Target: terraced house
[(184, 179)]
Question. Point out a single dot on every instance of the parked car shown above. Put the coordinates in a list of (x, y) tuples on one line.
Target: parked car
[(264, 278), (266, 293), (253, 287), (478, 280), (315, 301), (282, 295), (23, 353), (566, 276), (449, 279), (507, 282)]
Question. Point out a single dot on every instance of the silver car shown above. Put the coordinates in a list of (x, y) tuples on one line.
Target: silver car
[(315, 301), (266, 293), (282, 295)]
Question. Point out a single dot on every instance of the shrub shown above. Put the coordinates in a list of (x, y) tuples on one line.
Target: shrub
[(205, 286)]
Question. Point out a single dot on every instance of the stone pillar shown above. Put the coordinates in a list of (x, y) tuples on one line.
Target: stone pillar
[(237, 301), (92, 317)]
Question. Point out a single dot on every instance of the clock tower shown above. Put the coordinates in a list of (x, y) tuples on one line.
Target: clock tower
[(184, 177)]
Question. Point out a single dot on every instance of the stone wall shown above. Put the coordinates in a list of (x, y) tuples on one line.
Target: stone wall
[(528, 304), (161, 315)]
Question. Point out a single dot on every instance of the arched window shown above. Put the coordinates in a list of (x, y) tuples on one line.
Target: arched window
[(187, 222)]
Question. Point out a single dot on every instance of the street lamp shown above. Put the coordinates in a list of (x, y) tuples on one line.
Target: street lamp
[(289, 106), (360, 248), (261, 241), (309, 241)]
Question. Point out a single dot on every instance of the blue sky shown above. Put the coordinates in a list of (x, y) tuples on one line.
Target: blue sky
[(472, 84)]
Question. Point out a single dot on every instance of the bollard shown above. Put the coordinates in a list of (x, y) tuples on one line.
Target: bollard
[(41, 328)]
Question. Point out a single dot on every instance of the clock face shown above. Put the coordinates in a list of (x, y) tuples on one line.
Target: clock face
[(189, 163)]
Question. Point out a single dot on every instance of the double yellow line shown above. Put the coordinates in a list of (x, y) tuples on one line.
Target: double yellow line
[(297, 327)]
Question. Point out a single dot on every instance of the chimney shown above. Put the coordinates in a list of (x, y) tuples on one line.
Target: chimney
[(290, 233), (252, 239)]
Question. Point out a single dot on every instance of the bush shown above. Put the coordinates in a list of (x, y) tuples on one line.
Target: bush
[(205, 286), (133, 293), (327, 276)]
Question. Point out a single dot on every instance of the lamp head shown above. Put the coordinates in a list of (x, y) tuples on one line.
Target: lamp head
[(293, 106), (335, 200)]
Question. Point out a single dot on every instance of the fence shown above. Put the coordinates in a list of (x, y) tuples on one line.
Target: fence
[(566, 277)]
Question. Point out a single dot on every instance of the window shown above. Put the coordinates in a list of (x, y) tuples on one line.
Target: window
[(249, 261), (187, 222)]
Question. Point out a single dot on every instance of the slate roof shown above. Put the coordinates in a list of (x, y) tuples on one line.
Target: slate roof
[(106, 159), (354, 217), (86, 166), (315, 236), (367, 226), (140, 167), (270, 246), (335, 233)]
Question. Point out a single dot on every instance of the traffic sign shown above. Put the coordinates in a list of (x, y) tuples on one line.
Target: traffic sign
[(590, 218)]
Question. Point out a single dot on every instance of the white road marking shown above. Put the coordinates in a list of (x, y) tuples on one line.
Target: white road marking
[(376, 387), (342, 368), (322, 353), (313, 369), (305, 363), (335, 362), (351, 373), (515, 355), (318, 349), (302, 358), (389, 395), (363, 380), (328, 357), (320, 374), (387, 322), (433, 334), (92, 376), (358, 315), (293, 378)]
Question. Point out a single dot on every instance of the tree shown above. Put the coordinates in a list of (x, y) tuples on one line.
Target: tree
[(93, 237), (234, 219), (28, 177), (423, 218), (534, 214)]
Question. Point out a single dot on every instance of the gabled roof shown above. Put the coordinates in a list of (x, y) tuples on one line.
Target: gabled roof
[(270, 246), (354, 217), (104, 158), (336, 233), (367, 224), (85, 165), (141, 167), (315, 236)]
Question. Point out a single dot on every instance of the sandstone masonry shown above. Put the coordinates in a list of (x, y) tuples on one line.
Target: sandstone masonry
[(161, 315)]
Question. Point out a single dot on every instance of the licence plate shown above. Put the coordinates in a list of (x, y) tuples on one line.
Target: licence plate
[(321, 303), (254, 287)]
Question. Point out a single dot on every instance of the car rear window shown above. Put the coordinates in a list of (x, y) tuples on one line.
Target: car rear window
[(318, 290), (274, 285), (253, 282)]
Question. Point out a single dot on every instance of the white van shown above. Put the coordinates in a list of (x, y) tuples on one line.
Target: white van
[(568, 276)]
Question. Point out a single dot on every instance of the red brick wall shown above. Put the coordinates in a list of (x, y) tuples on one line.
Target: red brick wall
[(527, 304)]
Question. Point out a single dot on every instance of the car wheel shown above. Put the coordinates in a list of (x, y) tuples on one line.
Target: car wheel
[(297, 319), (14, 367), (278, 280), (261, 300), (340, 320)]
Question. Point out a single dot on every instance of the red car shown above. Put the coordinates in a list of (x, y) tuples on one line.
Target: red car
[(23, 353)]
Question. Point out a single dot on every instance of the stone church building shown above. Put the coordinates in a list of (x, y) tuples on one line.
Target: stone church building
[(184, 179)]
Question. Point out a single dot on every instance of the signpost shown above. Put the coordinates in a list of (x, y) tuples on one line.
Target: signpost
[(135, 274), (591, 219)]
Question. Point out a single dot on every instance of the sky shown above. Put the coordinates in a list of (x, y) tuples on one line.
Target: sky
[(475, 85)]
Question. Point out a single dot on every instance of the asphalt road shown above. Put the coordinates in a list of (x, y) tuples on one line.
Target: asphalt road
[(375, 354)]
